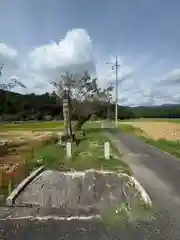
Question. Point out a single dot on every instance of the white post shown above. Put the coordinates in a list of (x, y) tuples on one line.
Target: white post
[(106, 150), (68, 150)]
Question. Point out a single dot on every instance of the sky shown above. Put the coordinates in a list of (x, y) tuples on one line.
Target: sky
[(40, 39)]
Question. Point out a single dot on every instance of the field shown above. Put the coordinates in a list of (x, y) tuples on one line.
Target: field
[(158, 129), (18, 145), (20, 137), (164, 135)]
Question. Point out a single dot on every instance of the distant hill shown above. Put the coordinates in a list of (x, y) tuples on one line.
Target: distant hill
[(21, 106), (162, 111), (28, 105)]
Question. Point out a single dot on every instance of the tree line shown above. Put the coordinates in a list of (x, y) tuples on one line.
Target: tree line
[(85, 98), (16, 107), (19, 107)]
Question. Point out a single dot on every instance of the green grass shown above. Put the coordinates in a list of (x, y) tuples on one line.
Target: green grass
[(52, 156), (173, 120), (125, 213), (88, 154), (171, 147), (31, 126), (128, 128), (92, 124)]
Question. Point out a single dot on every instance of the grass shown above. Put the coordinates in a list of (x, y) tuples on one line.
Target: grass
[(88, 154), (31, 126), (130, 129), (172, 147), (173, 120), (126, 212)]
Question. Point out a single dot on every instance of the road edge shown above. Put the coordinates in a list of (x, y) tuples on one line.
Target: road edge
[(142, 191), (15, 193)]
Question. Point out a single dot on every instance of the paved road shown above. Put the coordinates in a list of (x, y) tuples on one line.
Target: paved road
[(61, 230), (158, 173)]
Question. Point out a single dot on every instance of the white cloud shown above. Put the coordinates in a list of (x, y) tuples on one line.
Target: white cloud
[(161, 90), (7, 52), (40, 83), (171, 77), (46, 62), (74, 53), (74, 49), (8, 57)]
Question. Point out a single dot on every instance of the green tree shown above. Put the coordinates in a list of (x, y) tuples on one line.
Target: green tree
[(13, 82)]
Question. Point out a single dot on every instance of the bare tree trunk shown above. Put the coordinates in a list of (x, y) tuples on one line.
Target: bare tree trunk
[(65, 114), (70, 115)]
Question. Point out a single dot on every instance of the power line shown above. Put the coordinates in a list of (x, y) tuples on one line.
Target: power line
[(116, 66)]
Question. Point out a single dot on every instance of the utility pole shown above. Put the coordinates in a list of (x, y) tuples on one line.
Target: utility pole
[(1, 69), (115, 66)]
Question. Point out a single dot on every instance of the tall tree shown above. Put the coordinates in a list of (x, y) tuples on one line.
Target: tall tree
[(85, 98)]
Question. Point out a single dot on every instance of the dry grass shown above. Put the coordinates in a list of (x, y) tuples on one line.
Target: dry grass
[(12, 144), (16, 153), (158, 130)]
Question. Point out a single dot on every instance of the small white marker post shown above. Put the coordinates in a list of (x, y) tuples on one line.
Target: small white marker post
[(68, 150), (106, 150)]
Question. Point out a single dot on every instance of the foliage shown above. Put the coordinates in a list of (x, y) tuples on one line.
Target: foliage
[(85, 97), (16, 107), (163, 111)]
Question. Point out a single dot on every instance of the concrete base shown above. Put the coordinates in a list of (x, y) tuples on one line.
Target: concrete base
[(17, 191), (81, 193)]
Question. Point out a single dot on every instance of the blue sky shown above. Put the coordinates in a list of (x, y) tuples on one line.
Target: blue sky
[(39, 39)]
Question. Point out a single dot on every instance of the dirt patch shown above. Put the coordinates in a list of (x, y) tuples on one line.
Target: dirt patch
[(159, 130), (14, 135)]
